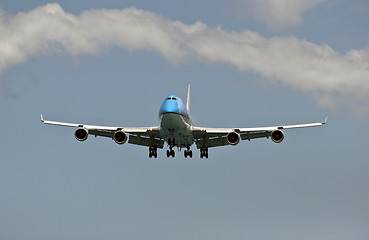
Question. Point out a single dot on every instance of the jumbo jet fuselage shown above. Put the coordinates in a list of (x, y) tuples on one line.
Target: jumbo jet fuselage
[(175, 123)]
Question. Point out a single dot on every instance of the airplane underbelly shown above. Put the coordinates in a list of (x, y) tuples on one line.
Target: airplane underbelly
[(177, 127)]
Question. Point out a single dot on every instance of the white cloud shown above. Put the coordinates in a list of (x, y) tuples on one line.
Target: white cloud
[(277, 14), (331, 78)]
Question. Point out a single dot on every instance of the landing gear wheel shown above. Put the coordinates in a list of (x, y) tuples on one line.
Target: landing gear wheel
[(188, 153), (170, 153), (153, 152), (204, 153)]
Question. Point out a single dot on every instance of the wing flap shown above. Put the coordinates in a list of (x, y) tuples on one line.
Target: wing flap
[(146, 141), (211, 142), (253, 135), (101, 133)]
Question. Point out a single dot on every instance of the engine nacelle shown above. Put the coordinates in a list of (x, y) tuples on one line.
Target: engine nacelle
[(233, 138), (120, 137), (81, 134), (277, 136)]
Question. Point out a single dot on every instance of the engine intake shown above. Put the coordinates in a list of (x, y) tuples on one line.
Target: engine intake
[(277, 136), (120, 137), (233, 138), (81, 134)]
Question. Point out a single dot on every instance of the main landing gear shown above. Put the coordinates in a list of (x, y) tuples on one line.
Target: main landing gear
[(188, 153), (204, 152), (153, 152), (170, 153)]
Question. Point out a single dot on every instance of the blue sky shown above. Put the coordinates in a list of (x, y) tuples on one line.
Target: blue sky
[(249, 63)]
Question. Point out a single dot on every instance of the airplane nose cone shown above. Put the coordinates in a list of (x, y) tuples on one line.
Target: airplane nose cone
[(169, 106)]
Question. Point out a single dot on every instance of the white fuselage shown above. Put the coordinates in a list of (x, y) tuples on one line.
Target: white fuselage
[(175, 123), (176, 130)]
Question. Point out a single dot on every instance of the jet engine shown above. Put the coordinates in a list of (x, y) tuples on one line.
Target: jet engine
[(120, 137), (277, 136), (81, 134), (233, 138)]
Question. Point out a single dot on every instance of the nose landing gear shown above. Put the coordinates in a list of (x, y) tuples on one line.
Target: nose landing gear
[(204, 152), (171, 143)]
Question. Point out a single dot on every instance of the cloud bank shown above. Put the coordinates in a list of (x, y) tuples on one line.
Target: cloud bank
[(277, 14), (330, 78)]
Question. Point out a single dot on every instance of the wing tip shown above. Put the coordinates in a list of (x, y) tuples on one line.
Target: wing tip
[(325, 121), (42, 118)]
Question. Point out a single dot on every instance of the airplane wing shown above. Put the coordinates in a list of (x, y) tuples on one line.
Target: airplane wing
[(143, 136), (215, 137)]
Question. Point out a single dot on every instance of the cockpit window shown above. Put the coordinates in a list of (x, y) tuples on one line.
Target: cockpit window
[(171, 98)]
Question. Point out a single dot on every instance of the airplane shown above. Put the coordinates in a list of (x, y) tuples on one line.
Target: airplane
[(177, 129)]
